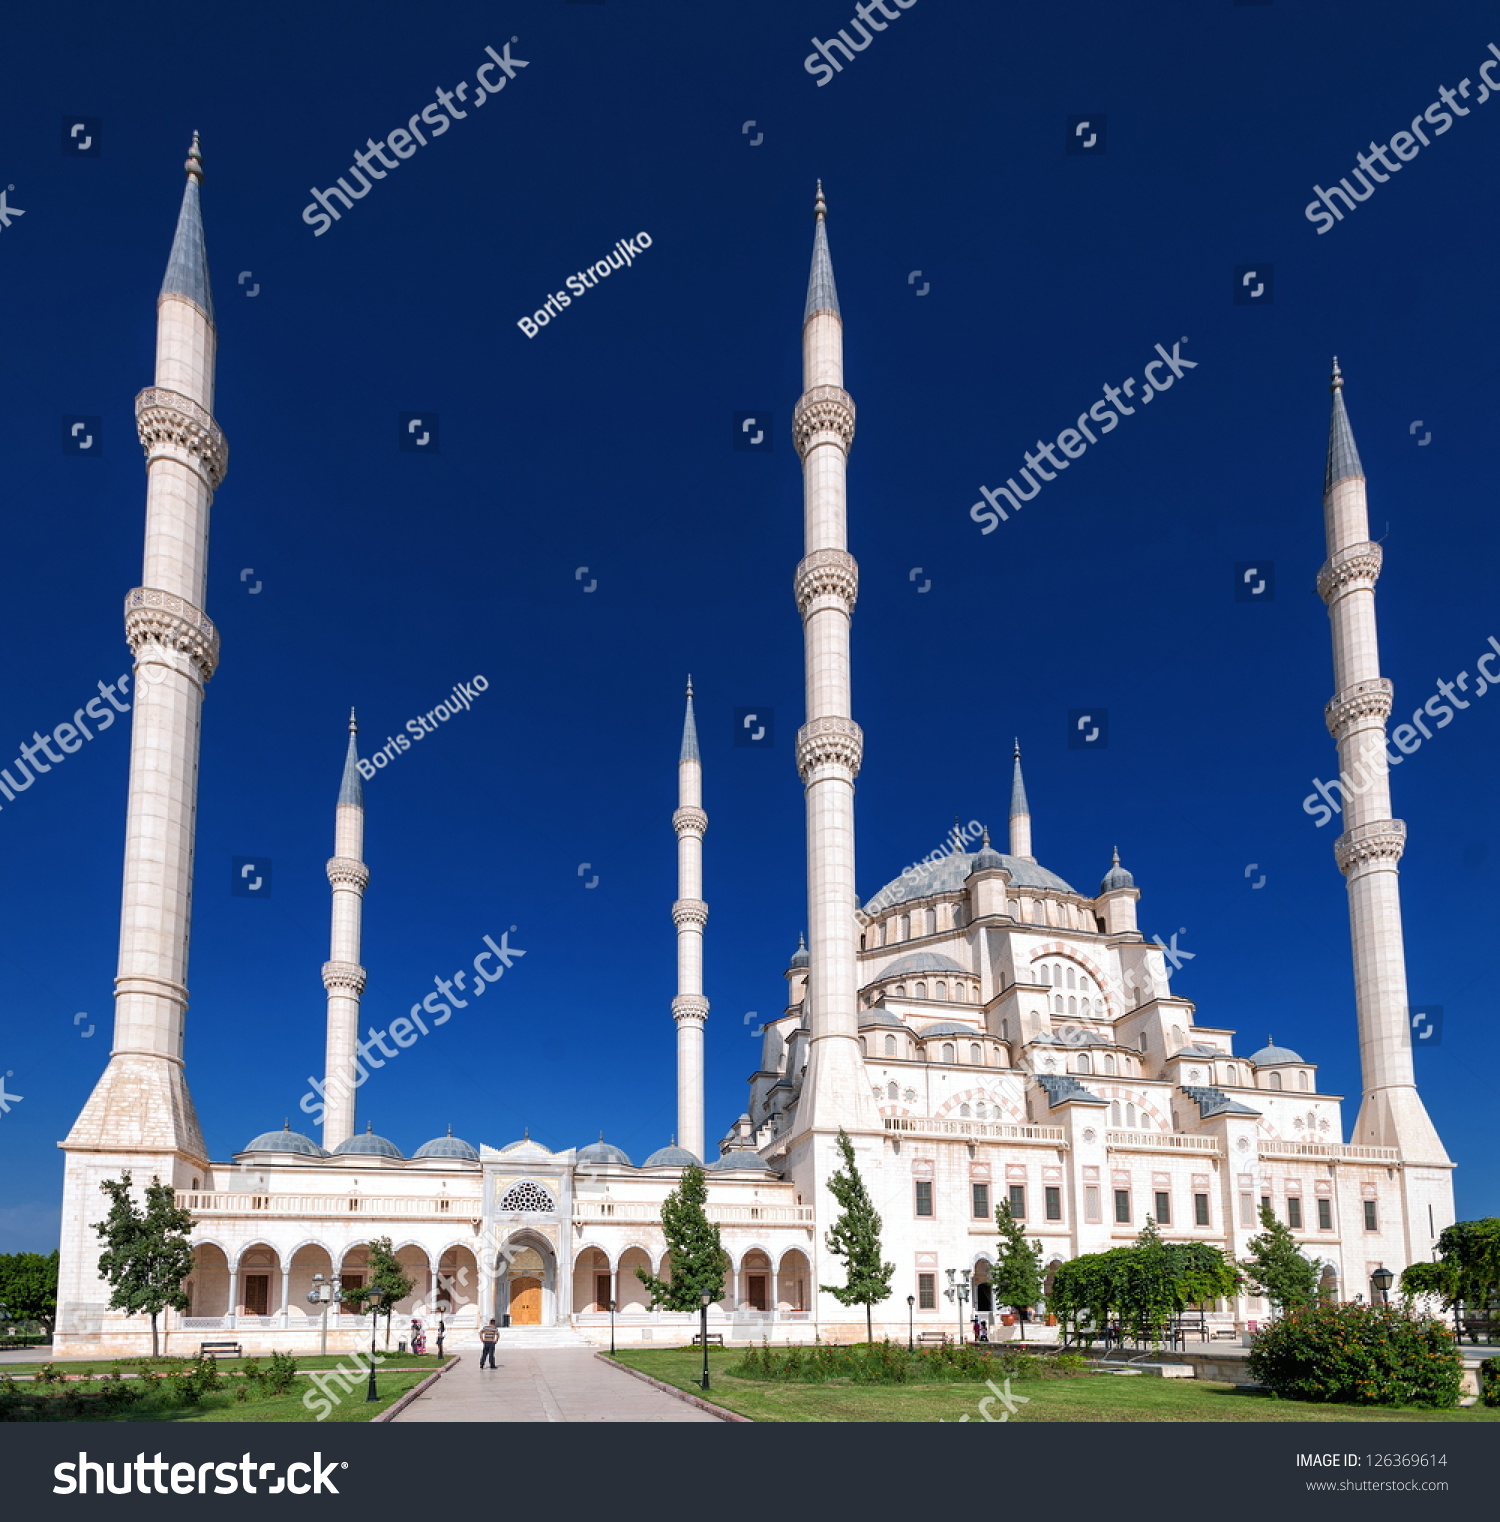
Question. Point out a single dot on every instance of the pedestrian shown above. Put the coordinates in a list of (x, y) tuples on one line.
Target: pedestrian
[(418, 1337), (489, 1336), (442, 1331)]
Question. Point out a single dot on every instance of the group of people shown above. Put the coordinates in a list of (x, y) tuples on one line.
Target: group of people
[(419, 1335)]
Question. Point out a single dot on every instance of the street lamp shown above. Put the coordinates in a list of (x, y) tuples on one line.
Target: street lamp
[(375, 1299), (1382, 1279), (705, 1297), (611, 1329), (325, 1294), (911, 1311), (958, 1292)]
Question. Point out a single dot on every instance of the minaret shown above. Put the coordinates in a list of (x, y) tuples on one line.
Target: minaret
[(690, 914), (141, 1102), (343, 976), (1020, 812), (1391, 1113), (830, 743)]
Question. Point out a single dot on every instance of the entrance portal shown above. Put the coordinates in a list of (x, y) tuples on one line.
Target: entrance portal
[(525, 1301)]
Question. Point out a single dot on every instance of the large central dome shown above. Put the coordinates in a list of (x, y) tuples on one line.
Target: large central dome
[(947, 874)]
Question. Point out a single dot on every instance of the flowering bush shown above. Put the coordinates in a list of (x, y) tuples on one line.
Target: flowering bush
[(1360, 1355)]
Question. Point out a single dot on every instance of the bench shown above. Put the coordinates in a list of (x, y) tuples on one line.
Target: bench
[(1476, 1327), (932, 1337), (1222, 1331), (232, 1349), (717, 1338)]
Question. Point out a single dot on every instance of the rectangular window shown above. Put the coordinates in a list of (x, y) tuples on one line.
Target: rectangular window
[(1371, 1224), (601, 1292), (1018, 1201), (1294, 1213), (1091, 1202), (1247, 1210), (1325, 1215), (1265, 1203), (924, 1196), (1200, 1210), (1163, 1209), (1122, 1206), (1054, 1203), (926, 1292), (981, 1201), (348, 1282)]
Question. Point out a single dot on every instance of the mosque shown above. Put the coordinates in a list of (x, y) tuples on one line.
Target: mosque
[(981, 1028)]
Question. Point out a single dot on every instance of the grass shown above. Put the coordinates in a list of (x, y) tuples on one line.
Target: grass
[(1095, 1398), (426, 1361)]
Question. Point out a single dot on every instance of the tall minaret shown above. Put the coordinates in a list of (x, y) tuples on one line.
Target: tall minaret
[(830, 744), (690, 915), (1391, 1113), (1020, 812), (142, 1100), (343, 976)]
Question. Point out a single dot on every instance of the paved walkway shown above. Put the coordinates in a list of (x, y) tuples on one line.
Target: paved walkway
[(546, 1385)]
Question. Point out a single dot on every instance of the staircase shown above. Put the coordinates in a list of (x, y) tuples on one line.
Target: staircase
[(540, 1337)]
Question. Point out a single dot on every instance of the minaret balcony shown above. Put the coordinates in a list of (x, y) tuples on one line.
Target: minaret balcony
[(1364, 700), (175, 427), (823, 415), (1354, 568), (1376, 840)]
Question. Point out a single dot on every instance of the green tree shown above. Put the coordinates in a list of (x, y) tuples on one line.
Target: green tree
[(386, 1275), (855, 1237), (1472, 1249), (146, 1252), (699, 1261), (28, 1287), (1016, 1279), (1277, 1270)]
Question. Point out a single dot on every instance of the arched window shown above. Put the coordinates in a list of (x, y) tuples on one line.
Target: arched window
[(921, 991), (1086, 1010), (974, 1052), (981, 1109), (1057, 1004), (1143, 1041), (1275, 1080), (1176, 1037), (1109, 1062), (958, 915), (1085, 1063), (1072, 1005), (942, 991), (1114, 1113), (948, 1055), (1231, 1074), (1301, 1080), (1071, 982), (906, 927), (901, 992), (1129, 1116), (1057, 974), (892, 1092), (890, 1046), (527, 1196), (932, 922), (964, 1112), (1005, 1030)]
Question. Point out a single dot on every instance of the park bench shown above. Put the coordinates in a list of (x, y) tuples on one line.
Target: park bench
[(716, 1338), (932, 1337), (1476, 1327), (229, 1349)]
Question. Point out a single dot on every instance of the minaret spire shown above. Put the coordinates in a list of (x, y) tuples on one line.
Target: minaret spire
[(690, 915), (141, 1103), (1020, 811), (830, 744), (343, 976), (1391, 1113)]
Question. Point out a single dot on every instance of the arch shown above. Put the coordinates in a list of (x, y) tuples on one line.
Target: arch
[(593, 1280), (528, 1263), (1109, 1062), (964, 1111), (948, 1051), (258, 1281), (629, 1290), (754, 1287), (1072, 1005), (1057, 1004), (941, 991), (1085, 1063), (976, 1053), (307, 1258), (527, 1197), (208, 1284), (932, 922), (1086, 1009), (793, 1281), (906, 927), (920, 991), (893, 1091), (1275, 1080), (457, 1284), (1114, 1114), (1301, 1080), (1070, 975), (890, 1046)]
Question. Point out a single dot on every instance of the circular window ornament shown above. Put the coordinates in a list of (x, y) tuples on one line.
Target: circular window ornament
[(1091, 1135)]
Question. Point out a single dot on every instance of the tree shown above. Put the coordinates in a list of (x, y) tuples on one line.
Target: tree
[(28, 1287), (386, 1275), (699, 1261), (855, 1237), (1276, 1268), (1016, 1279), (1467, 1270), (146, 1253)]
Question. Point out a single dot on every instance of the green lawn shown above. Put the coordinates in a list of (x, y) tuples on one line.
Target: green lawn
[(392, 1361), (1089, 1398)]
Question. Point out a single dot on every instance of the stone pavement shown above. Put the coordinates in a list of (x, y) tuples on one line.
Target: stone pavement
[(546, 1385)]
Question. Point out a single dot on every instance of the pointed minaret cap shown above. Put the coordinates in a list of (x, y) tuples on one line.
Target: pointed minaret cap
[(689, 730), (1018, 803), (187, 266), (351, 791), (1343, 457), (822, 294)]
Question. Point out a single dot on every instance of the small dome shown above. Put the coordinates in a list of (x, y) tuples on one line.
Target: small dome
[(286, 1140), (740, 1159), (368, 1145), (800, 957), (987, 858), (602, 1152), (1271, 1055), (880, 1016), (949, 1028), (448, 1146), (672, 1157), (946, 874), (1116, 877), (919, 961)]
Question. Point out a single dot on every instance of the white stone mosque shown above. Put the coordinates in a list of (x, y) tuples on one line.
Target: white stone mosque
[(982, 1029)]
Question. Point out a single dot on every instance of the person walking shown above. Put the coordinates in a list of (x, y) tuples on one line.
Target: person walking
[(442, 1331), (489, 1336), (418, 1337)]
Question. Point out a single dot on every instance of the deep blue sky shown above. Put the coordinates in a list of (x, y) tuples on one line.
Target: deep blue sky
[(605, 442)]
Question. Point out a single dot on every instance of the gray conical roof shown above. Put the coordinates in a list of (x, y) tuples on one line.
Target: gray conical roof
[(689, 730), (350, 789), (187, 267), (1018, 803), (1343, 457), (822, 294)]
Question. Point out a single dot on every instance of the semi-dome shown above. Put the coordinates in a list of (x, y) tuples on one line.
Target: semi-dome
[(449, 1146), (602, 1152), (1271, 1055), (740, 1158), (286, 1140), (368, 1145), (880, 1015), (947, 873), (1116, 877), (948, 1028), (672, 1157), (920, 961)]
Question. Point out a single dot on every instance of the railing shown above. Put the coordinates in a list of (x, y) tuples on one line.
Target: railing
[(1159, 1141), (316, 1205), (923, 1125), (1344, 1151), (644, 1212)]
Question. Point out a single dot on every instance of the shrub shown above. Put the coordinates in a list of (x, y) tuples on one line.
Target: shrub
[(889, 1363), (1359, 1355), (1489, 1382), (282, 1374)]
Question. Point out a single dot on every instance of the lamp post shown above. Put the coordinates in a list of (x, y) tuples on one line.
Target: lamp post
[(958, 1292), (325, 1294), (911, 1313), (375, 1299), (705, 1298), (1382, 1279), (611, 1329)]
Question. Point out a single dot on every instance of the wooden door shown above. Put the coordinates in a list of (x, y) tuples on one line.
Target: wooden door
[(526, 1301), (757, 1288)]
